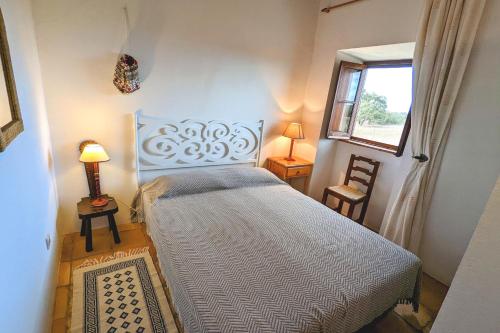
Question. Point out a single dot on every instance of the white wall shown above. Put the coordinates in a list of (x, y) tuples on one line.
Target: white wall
[(361, 24), (471, 304), (28, 201), (471, 162), (235, 60)]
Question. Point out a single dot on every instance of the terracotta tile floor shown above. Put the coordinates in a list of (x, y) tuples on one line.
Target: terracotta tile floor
[(134, 236)]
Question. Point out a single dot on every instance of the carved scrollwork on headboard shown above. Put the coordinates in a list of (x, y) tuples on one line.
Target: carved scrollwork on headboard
[(165, 144)]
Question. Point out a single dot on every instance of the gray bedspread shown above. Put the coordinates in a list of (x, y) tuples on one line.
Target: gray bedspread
[(267, 258)]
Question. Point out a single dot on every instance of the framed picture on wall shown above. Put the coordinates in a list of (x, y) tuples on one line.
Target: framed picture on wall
[(11, 123)]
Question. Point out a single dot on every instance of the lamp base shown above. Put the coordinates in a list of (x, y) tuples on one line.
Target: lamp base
[(290, 158), (99, 202)]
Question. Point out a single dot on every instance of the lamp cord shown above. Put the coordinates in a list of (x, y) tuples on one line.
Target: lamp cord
[(123, 203)]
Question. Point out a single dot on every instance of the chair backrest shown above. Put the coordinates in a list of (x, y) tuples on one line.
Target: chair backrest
[(369, 180)]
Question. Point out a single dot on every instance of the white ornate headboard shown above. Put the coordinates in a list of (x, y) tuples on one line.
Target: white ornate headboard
[(162, 144)]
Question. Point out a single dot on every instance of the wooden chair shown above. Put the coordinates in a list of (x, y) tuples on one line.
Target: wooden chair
[(351, 195)]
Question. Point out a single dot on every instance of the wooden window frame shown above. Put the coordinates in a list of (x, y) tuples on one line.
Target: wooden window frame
[(333, 132), (349, 138)]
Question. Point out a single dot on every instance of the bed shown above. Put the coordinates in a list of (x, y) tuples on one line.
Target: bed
[(242, 251)]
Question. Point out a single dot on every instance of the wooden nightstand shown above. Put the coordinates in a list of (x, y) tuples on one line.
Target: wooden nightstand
[(86, 212), (288, 170)]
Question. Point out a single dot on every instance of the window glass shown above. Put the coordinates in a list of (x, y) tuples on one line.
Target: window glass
[(384, 104), (353, 85), (345, 111)]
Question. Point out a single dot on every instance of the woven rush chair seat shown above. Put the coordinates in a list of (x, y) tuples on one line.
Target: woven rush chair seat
[(348, 192)]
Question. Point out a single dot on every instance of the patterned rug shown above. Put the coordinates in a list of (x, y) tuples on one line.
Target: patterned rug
[(120, 295)]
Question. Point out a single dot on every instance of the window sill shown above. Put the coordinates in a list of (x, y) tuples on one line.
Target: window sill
[(370, 145)]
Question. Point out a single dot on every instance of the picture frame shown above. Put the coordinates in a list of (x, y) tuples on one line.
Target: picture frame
[(11, 123)]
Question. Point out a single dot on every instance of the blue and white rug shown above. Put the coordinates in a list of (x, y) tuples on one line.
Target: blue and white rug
[(120, 295)]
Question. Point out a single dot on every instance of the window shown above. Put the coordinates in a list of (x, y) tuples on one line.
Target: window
[(372, 104)]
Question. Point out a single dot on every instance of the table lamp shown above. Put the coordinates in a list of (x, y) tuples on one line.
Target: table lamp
[(294, 132), (94, 153)]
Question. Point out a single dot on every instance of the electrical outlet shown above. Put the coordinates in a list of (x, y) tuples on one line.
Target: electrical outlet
[(47, 241)]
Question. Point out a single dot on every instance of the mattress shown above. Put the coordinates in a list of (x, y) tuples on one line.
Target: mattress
[(263, 257)]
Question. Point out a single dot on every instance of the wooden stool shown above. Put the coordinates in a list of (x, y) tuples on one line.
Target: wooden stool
[(86, 212), (351, 195)]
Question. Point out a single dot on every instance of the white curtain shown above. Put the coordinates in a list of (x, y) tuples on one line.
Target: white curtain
[(444, 41)]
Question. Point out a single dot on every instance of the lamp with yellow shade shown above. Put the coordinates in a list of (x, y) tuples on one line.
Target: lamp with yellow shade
[(93, 154), (294, 132)]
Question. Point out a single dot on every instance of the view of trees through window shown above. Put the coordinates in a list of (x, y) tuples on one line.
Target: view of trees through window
[(384, 105)]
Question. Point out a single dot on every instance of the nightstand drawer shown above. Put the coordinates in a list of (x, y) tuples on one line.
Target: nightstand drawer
[(277, 169), (290, 170), (298, 171)]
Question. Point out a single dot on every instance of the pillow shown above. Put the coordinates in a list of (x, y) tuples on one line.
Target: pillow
[(200, 181)]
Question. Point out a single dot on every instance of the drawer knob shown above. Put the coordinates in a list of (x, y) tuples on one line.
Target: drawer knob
[(297, 172)]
